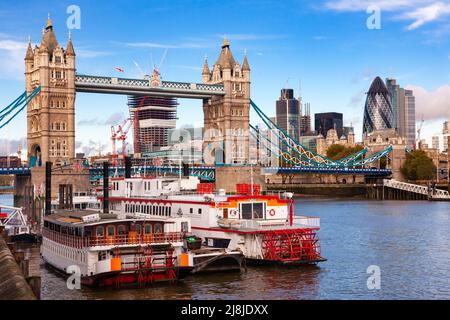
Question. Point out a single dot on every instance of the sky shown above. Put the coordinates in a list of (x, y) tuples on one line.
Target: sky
[(330, 50)]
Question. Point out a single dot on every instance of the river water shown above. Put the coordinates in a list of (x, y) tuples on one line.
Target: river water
[(408, 241)]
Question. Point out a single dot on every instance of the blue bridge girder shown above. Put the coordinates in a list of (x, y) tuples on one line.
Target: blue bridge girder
[(208, 173), (112, 85), (203, 173), (324, 170), (15, 171)]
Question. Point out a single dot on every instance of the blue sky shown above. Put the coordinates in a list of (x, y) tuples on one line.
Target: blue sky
[(325, 45)]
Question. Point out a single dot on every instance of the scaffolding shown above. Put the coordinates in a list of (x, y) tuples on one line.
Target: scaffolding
[(152, 118)]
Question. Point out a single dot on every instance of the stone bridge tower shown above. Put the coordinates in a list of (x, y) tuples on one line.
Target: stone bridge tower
[(51, 115), (226, 118)]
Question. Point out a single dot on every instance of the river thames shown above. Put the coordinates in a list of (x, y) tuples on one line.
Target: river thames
[(408, 241)]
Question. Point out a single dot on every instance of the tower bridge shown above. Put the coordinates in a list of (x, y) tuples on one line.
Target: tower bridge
[(52, 82)]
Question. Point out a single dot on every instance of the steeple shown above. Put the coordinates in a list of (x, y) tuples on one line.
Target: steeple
[(30, 54), (245, 65), (226, 43), (49, 23), (206, 67), (70, 50)]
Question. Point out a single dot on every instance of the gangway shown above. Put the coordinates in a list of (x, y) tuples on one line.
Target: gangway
[(432, 193)]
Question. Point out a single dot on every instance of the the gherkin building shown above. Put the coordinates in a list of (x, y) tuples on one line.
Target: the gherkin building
[(378, 113)]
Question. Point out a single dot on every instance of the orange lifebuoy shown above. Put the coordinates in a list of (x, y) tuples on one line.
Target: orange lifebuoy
[(272, 212)]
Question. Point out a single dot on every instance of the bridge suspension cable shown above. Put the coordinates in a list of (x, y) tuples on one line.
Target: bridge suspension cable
[(296, 154), (13, 109)]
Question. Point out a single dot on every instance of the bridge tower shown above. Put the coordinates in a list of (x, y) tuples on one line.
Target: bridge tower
[(226, 118), (51, 115)]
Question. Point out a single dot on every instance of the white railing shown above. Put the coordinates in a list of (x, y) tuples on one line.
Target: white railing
[(415, 188), (273, 224)]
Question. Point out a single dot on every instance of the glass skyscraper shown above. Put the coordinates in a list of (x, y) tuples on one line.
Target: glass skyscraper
[(404, 111), (378, 114)]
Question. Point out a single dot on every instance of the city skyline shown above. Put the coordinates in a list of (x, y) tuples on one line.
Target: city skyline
[(311, 55)]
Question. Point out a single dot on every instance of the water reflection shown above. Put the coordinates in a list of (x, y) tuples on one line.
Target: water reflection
[(409, 241)]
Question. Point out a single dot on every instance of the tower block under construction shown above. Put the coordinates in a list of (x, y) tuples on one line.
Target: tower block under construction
[(152, 118)]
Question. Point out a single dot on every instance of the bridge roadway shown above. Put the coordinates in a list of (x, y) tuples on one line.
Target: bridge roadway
[(208, 173), (111, 85)]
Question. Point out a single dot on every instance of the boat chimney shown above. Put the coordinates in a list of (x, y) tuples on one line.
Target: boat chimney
[(127, 167), (105, 187), (48, 188)]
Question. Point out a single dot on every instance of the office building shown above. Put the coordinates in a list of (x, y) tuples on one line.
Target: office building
[(378, 114), (324, 122)]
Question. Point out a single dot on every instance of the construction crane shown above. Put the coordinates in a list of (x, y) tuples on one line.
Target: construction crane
[(122, 133), (114, 138), (419, 131)]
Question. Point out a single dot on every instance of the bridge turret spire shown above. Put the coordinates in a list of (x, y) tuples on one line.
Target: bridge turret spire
[(70, 51), (49, 22), (245, 65), (30, 54), (226, 43)]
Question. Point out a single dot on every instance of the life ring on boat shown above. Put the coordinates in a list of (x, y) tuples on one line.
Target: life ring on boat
[(233, 213), (272, 212)]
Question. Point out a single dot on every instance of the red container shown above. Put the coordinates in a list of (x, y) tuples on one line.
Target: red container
[(203, 188), (246, 189)]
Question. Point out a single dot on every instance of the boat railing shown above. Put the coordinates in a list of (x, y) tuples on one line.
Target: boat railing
[(275, 224), (126, 239)]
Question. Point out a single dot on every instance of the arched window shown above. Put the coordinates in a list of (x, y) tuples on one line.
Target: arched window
[(121, 230), (138, 228), (111, 231), (100, 231), (147, 228), (158, 228)]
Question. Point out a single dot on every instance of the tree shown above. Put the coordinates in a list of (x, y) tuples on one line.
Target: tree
[(338, 151), (418, 166)]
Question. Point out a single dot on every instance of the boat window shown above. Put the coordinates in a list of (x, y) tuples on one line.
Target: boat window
[(191, 210), (158, 228), (138, 228), (148, 228), (185, 226), (258, 212), (111, 231), (252, 210), (121, 230), (170, 211), (100, 231), (246, 211), (102, 255), (199, 210)]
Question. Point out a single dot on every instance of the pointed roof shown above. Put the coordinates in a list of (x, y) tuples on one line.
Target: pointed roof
[(49, 22), (49, 42), (226, 59), (30, 54), (245, 65), (70, 51), (378, 86), (205, 66)]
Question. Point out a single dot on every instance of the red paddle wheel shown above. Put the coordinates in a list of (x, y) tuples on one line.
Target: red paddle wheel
[(300, 245)]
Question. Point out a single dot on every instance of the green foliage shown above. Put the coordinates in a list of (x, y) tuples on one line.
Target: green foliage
[(337, 151), (418, 166)]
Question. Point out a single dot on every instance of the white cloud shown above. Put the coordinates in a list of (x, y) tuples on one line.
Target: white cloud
[(427, 14), (114, 119), (420, 12), (432, 104), (12, 53)]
